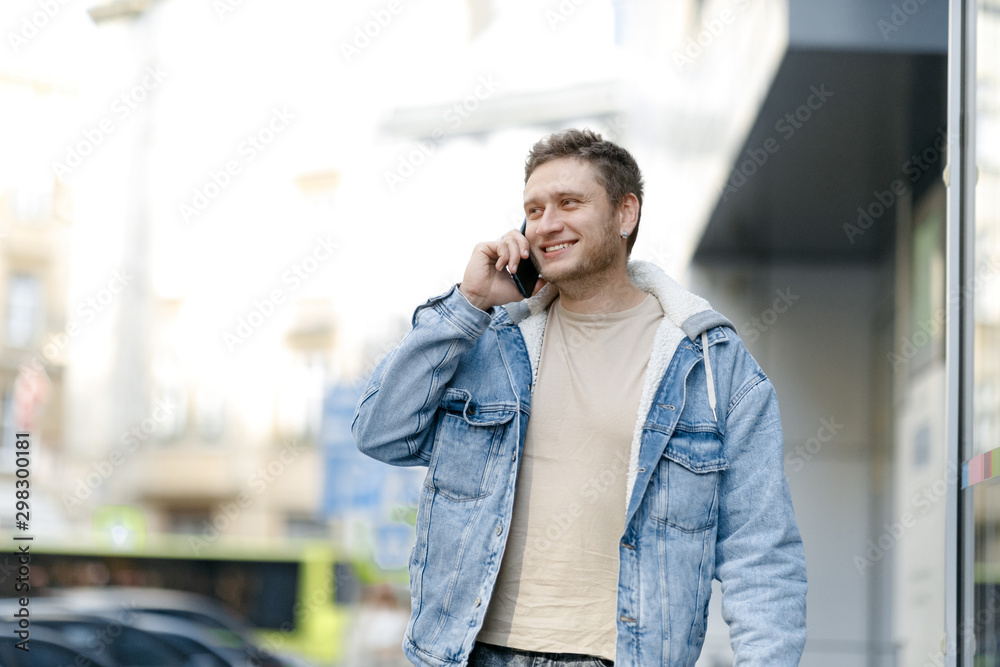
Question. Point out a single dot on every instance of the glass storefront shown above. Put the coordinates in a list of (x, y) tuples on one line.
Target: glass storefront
[(981, 455)]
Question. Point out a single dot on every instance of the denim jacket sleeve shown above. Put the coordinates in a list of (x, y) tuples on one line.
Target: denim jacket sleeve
[(394, 419), (759, 555)]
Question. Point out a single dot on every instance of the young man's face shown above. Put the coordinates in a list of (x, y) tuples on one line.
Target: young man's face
[(571, 227)]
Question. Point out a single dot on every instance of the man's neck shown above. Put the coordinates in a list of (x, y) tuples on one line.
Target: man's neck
[(607, 293)]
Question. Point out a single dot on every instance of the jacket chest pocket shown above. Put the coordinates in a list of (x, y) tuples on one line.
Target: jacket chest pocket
[(467, 443), (689, 473)]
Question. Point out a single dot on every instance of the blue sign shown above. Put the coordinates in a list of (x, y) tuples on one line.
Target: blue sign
[(393, 542), (354, 483)]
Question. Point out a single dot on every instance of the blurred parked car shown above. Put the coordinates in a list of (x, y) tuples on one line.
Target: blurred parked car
[(112, 639), (150, 627), (47, 649)]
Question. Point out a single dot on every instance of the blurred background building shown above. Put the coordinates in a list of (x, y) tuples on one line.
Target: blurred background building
[(216, 217)]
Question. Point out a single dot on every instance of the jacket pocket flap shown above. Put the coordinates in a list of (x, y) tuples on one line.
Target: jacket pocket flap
[(698, 451), (461, 403)]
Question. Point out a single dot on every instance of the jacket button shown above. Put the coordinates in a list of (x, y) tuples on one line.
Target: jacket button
[(478, 601), (513, 457), (499, 529)]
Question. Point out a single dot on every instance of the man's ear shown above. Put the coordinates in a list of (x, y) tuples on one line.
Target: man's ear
[(628, 213)]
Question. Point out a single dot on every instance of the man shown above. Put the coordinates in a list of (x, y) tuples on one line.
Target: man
[(596, 453)]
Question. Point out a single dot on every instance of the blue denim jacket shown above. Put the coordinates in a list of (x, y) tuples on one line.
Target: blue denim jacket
[(707, 495)]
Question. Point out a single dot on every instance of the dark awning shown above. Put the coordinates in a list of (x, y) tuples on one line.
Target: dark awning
[(838, 131)]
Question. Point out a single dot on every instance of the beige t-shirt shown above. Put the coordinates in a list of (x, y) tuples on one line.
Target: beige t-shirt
[(557, 589)]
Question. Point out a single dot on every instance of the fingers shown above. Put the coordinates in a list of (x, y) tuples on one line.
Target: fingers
[(507, 253), (513, 247), (508, 250), (512, 252), (503, 254)]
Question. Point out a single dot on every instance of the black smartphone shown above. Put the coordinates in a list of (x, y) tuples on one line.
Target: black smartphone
[(526, 275)]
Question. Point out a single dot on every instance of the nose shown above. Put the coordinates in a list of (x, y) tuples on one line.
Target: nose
[(548, 223)]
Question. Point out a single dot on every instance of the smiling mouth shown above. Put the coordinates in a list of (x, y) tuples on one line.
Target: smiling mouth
[(558, 246)]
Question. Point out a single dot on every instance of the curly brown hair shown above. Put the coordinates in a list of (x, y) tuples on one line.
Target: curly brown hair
[(616, 169)]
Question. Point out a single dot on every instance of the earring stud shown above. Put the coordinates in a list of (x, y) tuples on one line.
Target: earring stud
[(624, 234)]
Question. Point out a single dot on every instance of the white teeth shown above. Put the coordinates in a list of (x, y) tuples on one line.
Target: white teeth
[(553, 248)]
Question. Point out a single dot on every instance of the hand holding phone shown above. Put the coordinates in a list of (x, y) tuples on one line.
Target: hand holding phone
[(527, 274), (484, 283)]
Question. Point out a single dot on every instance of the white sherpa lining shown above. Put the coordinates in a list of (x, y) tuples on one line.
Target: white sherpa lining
[(678, 305)]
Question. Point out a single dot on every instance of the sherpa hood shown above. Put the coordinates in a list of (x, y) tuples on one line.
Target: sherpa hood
[(685, 314)]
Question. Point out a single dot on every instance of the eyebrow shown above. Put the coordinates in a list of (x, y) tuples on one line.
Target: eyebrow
[(558, 195)]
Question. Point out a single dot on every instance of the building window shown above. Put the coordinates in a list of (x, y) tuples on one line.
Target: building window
[(301, 398), (24, 309), (301, 526), (7, 442), (210, 414), (170, 391), (190, 521), (32, 203)]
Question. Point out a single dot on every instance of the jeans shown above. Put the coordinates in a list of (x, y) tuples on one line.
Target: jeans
[(488, 655)]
